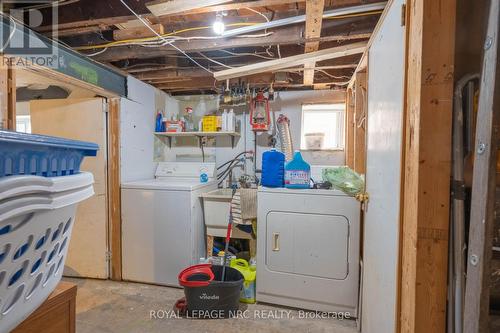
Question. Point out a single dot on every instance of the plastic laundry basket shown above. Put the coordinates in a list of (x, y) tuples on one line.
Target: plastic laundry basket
[(35, 229), (47, 156), (37, 211)]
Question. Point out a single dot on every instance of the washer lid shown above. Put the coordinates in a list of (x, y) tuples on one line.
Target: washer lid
[(174, 184)]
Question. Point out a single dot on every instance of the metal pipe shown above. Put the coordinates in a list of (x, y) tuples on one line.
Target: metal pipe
[(458, 213), (302, 18)]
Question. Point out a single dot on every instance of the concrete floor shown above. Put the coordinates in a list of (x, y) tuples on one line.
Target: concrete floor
[(106, 306)]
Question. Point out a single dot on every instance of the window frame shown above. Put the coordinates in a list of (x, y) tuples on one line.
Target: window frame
[(340, 130)]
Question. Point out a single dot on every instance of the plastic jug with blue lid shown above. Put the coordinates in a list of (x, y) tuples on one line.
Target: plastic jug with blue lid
[(297, 173)]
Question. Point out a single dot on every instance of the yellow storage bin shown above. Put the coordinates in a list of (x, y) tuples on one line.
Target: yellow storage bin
[(210, 124)]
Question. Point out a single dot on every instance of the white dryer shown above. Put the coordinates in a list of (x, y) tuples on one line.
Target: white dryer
[(308, 246), (162, 222)]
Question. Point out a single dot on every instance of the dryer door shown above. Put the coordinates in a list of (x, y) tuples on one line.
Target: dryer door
[(308, 244)]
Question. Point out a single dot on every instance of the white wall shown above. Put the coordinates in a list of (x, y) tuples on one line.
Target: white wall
[(137, 125), (288, 103)]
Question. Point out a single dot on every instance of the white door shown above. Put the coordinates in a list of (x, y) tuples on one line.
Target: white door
[(82, 119), (386, 67)]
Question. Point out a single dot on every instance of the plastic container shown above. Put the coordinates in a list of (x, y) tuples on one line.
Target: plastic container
[(297, 173), (314, 141), (207, 295), (40, 155), (36, 220), (249, 275), (209, 124), (273, 168)]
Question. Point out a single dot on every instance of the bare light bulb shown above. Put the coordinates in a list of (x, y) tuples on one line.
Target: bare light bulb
[(219, 25)]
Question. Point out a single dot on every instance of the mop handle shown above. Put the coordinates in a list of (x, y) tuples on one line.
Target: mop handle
[(228, 238)]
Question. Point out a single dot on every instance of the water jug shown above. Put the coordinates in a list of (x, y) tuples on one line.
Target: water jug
[(297, 173), (273, 168)]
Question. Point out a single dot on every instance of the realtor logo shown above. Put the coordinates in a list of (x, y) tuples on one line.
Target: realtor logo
[(19, 44)]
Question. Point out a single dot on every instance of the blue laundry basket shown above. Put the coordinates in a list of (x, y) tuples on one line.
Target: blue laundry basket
[(40, 155)]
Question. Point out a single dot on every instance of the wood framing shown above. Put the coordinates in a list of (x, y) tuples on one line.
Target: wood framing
[(114, 197), (297, 60), (477, 295), (360, 114), (7, 95), (139, 32), (349, 128), (169, 7), (427, 165), (314, 20)]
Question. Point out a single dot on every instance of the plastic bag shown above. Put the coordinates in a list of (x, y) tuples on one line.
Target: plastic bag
[(344, 179)]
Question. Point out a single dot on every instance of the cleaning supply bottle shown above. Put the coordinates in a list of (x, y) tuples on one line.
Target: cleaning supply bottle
[(297, 172), (249, 273), (231, 121), (273, 168), (224, 121)]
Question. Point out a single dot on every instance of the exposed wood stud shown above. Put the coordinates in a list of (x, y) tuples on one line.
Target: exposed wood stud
[(114, 197), (139, 32), (427, 165), (314, 19)]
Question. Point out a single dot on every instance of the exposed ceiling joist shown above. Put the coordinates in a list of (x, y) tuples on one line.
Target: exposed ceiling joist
[(314, 19), (297, 60), (139, 32), (292, 35), (168, 7)]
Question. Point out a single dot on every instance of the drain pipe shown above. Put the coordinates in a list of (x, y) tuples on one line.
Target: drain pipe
[(458, 207), (302, 18)]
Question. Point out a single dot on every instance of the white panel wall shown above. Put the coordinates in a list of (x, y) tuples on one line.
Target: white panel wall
[(137, 125), (383, 174)]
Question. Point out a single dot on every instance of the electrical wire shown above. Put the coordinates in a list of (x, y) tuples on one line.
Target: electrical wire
[(214, 61), (154, 31), (238, 54), (97, 53), (163, 36)]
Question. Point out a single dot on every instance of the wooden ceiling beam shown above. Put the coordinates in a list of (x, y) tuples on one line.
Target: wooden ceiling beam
[(170, 7), (293, 61), (314, 19), (292, 35)]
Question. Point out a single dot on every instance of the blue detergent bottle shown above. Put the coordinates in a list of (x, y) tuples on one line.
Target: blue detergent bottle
[(297, 172), (273, 168)]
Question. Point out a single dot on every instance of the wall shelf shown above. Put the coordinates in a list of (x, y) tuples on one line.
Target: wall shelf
[(199, 135)]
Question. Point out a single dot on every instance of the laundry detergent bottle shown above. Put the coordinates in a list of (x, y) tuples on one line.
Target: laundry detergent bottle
[(297, 172)]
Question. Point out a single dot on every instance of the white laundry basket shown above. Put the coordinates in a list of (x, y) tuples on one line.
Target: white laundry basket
[(36, 219)]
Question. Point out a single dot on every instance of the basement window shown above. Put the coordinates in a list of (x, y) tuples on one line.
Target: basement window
[(322, 127)]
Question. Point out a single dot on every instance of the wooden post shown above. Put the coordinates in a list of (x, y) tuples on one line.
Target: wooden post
[(7, 95), (114, 194), (360, 115), (349, 128), (427, 165), (477, 296)]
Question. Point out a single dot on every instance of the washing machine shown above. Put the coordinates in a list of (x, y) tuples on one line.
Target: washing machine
[(162, 222), (308, 247)]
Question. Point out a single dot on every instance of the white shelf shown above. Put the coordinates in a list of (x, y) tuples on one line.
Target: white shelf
[(198, 135)]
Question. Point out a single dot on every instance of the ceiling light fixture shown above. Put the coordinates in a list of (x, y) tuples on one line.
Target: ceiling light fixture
[(219, 26)]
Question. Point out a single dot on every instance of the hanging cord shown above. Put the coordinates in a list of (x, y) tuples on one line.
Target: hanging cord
[(11, 33)]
